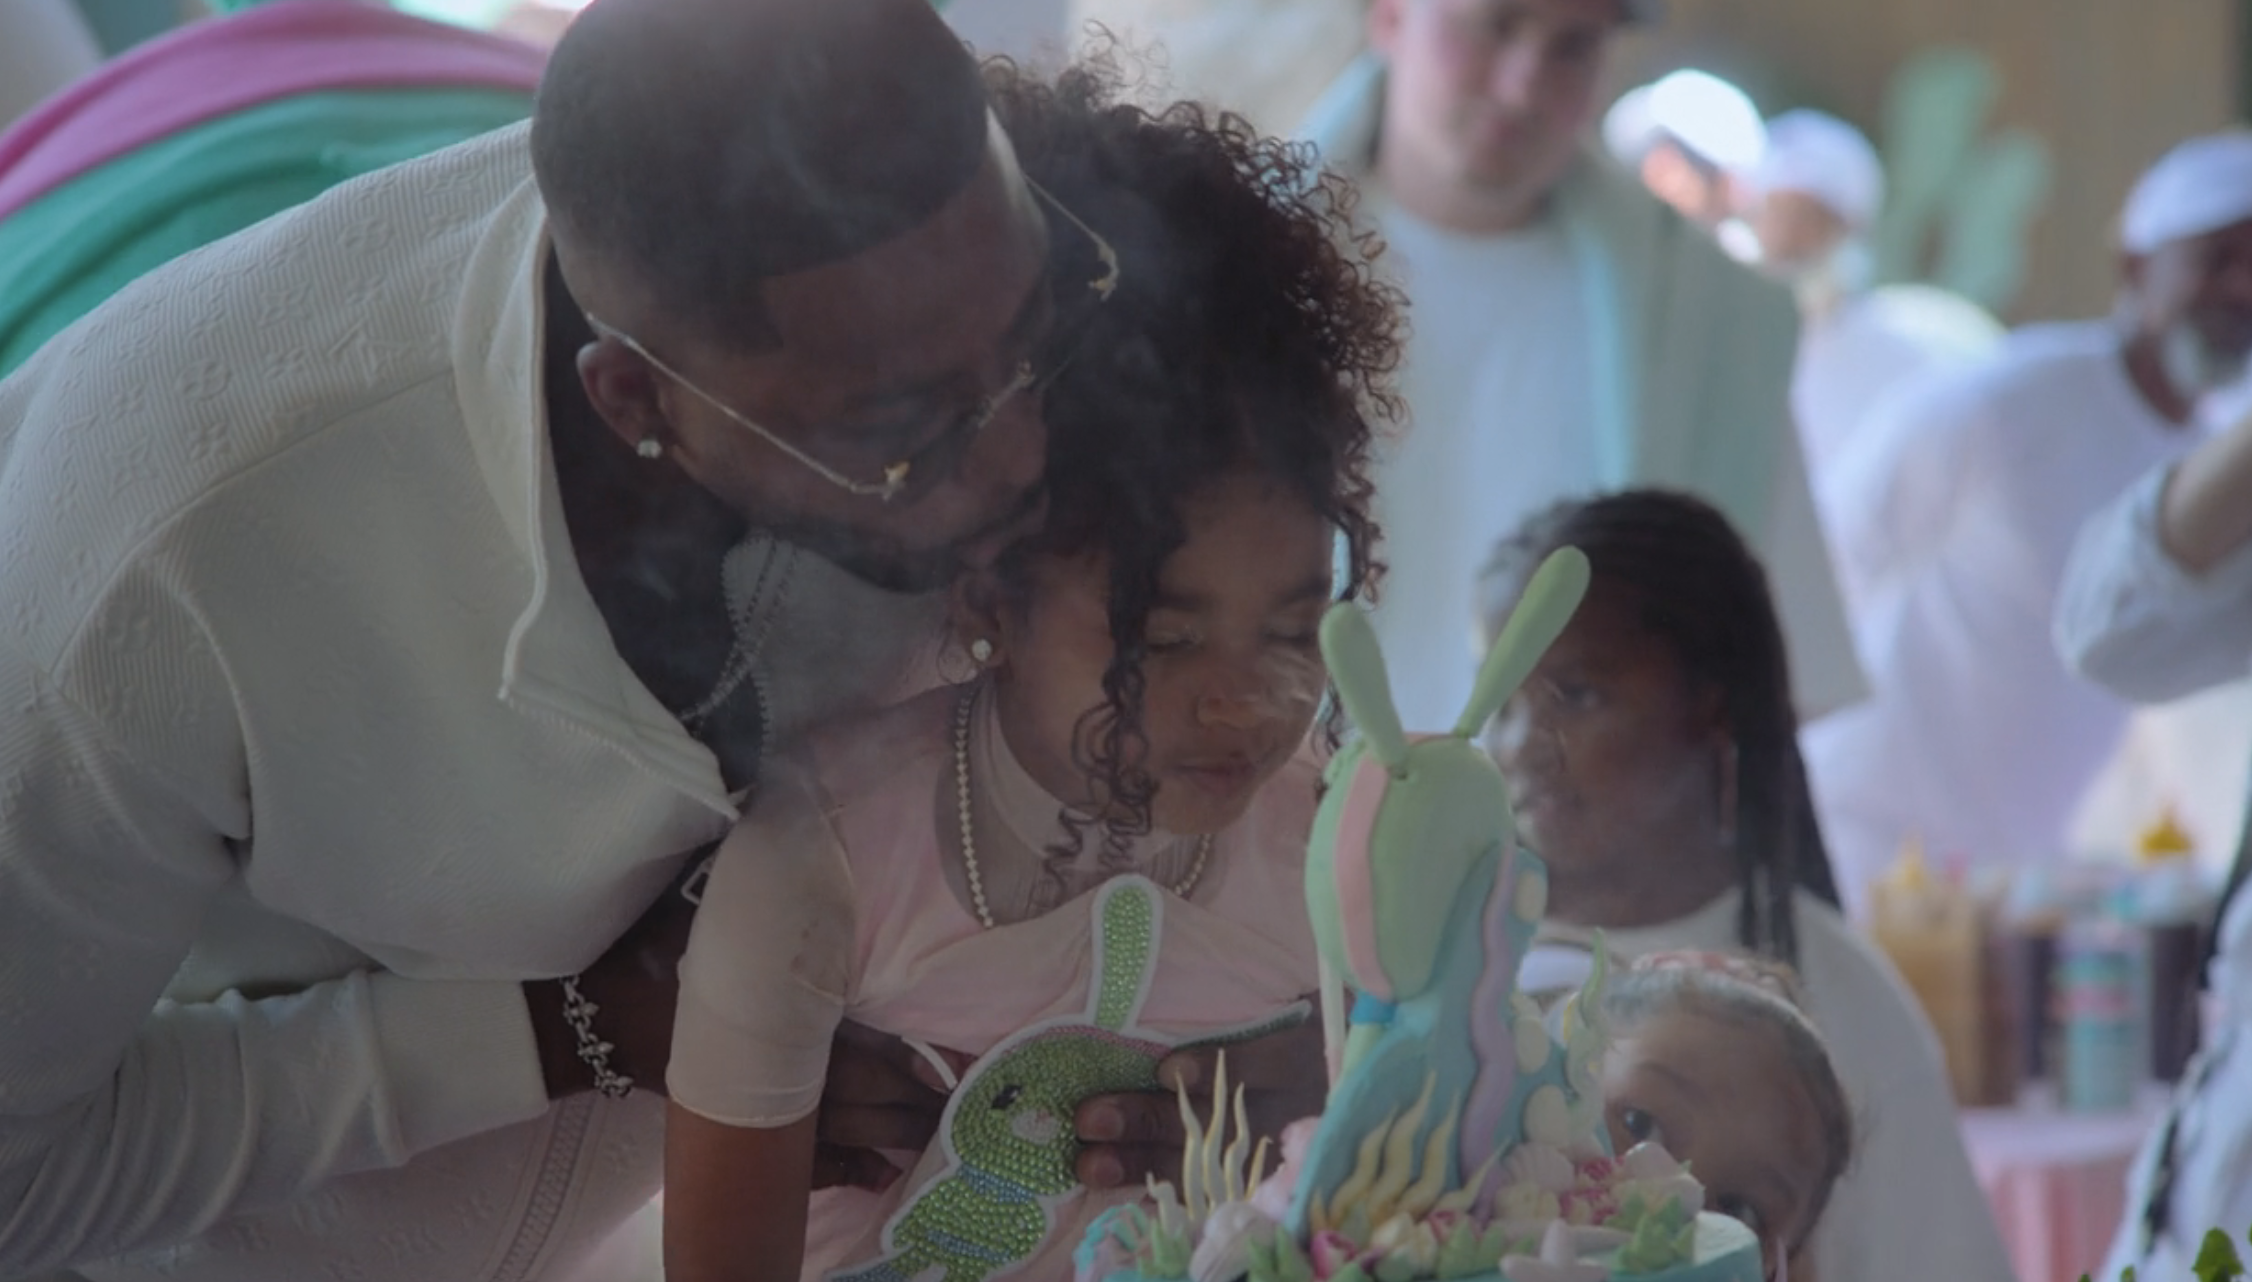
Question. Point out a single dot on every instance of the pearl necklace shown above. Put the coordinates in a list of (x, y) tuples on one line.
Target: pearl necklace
[(962, 708)]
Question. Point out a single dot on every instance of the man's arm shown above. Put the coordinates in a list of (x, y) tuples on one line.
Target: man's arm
[(1892, 492), (2205, 517), (2156, 603)]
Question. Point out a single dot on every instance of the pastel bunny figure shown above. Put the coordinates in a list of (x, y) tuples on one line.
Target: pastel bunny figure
[(1423, 906)]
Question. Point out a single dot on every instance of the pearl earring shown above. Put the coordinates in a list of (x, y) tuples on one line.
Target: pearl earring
[(650, 448), (981, 651)]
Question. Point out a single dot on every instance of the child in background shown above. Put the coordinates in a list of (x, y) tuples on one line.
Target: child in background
[(1712, 1057), (1148, 670)]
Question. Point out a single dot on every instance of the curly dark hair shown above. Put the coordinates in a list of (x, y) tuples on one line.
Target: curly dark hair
[(1703, 592), (1248, 333)]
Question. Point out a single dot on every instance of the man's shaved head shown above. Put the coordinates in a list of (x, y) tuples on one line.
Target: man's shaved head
[(704, 146)]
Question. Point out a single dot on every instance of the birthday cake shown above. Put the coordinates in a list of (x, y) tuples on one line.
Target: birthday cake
[(1464, 1136)]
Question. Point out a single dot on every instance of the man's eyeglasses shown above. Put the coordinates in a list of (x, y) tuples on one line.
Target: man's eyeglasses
[(1090, 261)]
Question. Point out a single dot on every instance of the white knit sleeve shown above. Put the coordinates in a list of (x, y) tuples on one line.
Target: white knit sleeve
[(2131, 619), (128, 1122)]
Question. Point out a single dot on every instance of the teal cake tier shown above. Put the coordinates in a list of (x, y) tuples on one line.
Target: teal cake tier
[(1725, 1251)]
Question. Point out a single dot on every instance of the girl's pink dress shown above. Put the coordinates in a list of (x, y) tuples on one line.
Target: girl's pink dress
[(830, 902)]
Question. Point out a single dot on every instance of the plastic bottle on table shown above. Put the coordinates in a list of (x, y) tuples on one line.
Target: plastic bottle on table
[(2100, 982)]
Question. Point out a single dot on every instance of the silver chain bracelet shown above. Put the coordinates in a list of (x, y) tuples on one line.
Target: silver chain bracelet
[(593, 1051)]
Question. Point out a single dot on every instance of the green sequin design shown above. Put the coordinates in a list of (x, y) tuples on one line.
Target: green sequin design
[(1007, 1133), (1126, 955)]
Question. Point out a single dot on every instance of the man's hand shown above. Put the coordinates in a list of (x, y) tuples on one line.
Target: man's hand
[(635, 985), (2205, 511), (1128, 1138), (881, 1096)]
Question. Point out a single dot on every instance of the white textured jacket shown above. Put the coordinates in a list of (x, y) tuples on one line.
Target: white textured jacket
[(2131, 619), (314, 748)]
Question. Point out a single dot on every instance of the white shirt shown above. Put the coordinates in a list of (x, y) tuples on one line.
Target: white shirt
[(1977, 740), (1500, 392), (2212, 1184), (1868, 347), (1503, 422), (1909, 1205), (2130, 617), (307, 700)]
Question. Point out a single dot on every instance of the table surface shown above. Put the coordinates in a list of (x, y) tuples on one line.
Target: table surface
[(2057, 1180), (2037, 1132)]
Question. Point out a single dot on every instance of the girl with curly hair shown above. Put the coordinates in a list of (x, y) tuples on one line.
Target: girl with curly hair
[(1146, 677)]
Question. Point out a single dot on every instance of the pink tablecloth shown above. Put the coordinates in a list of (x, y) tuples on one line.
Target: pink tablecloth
[(2057, 1181)]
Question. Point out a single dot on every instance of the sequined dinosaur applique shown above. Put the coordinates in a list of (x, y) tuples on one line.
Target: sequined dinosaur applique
[(1007, 1136)]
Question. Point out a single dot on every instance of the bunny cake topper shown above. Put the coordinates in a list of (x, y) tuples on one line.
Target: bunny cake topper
[(1423, 905), (1006, 1135)]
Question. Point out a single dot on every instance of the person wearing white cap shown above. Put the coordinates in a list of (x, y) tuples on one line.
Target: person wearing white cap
[(1814, 199), (2156, 606), (1570, 333), (1817, 188), (1688, 136), (1979, 741)]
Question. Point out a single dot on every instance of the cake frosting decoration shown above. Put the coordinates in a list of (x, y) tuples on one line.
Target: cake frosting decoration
[(1006, 1136), (1464, 1136)]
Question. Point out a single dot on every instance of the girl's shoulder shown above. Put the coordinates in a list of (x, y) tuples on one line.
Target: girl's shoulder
[(870, 754)]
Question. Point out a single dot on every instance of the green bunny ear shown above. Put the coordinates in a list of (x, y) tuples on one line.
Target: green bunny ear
[(1549, 600), (1356, 665)]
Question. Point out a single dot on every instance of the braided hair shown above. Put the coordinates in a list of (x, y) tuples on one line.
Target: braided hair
[(1701, 590)]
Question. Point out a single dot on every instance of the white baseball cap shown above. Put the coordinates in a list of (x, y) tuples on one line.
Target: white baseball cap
[(1826, 158), (1710, 117), (2201, 186)]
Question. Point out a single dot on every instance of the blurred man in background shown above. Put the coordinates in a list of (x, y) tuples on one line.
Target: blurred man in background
[(1812, 203), (1571, 333), (1978, 740), (1690, 137)]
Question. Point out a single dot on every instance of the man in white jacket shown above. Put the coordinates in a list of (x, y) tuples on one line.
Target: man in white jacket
[(1978, 740), (2157, 605), (399, 592)]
